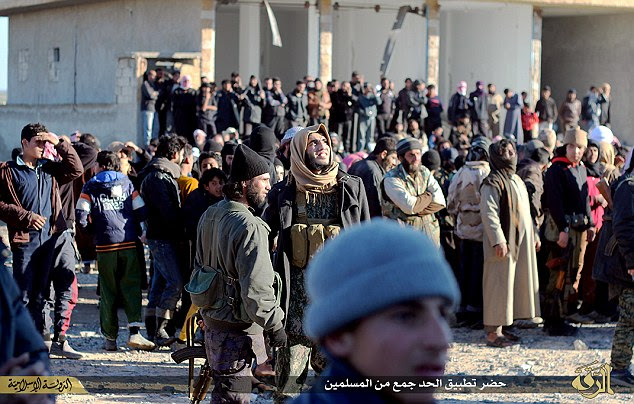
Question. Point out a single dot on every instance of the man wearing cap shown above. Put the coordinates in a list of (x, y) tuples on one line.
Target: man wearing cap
[(284, 151), (546, 108), (372, 169), (549, 138), (234, 333), (411, 194), (463, 202), (314, 204), (569, 227), (378, 307)]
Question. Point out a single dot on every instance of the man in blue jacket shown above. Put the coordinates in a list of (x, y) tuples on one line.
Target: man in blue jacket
[(116, 210), (30, 204)]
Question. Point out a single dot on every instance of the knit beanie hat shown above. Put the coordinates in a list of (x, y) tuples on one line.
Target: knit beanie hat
[(482, 142), (576, 136), (357, 274), (247, 164), (549, 139), (407, 144), (431, 160), (262, 141)]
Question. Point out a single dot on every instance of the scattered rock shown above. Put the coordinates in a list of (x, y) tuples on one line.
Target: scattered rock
[(580, 345)]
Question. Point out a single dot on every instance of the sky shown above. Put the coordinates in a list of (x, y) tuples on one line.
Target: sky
[(4, 51)]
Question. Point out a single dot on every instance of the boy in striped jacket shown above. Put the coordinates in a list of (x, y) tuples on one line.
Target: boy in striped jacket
[(116, 214)]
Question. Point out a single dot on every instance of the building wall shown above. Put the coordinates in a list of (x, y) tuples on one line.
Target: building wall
[(359, 38), (290, 62), (582, 51), (95, 85), (90, 39), (490, 42), (227, 27)]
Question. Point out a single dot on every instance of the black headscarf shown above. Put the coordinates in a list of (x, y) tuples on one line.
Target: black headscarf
[(594, 169), (229, 149), (502, 170)]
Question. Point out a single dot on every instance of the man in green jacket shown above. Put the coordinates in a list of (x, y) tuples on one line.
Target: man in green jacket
[(234, 241)]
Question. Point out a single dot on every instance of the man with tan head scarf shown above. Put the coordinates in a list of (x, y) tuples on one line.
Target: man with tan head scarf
[(314, 204)]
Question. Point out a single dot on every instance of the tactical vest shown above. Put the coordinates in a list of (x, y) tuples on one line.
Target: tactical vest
[(309, 235), (417, 186)]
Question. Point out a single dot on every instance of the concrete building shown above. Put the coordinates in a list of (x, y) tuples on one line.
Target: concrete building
[(78, 65)]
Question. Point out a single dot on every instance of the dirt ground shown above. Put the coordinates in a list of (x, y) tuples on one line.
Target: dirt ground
[(538, 355)]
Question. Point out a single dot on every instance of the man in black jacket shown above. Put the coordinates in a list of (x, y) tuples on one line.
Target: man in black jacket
[(617, 269), (479, 111), (22, 351), (228, 114), (459, 104), (165, 232), (297, 108), (253, 99), (275, 107), (325, 200), (372, 170), (345, 106), (546, 108), (569, 228)]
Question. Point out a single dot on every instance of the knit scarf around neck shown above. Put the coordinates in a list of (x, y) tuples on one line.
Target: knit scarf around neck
[(502, 170), (305, 179)]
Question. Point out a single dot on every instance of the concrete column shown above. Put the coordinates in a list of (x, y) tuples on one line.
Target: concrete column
[(312, 46), (536, 57), (433, 41), (208, 39), (249, 41), (325, 40)]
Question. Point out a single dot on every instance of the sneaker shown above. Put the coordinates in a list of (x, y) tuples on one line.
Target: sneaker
[(64, 350), (138, 341), (561, 330), (528, 323), (599, 318), (579, 318), (48, 345), (622, 377), (86, 268), (110, 345)]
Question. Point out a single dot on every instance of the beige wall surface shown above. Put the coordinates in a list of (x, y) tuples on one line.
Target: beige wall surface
[(582, 51), (492, 45)]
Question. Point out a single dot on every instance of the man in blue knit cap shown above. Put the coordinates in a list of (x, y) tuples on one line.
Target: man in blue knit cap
[(378, 307)]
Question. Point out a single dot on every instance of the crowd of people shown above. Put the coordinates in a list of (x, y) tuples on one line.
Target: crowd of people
[(237, 195)]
